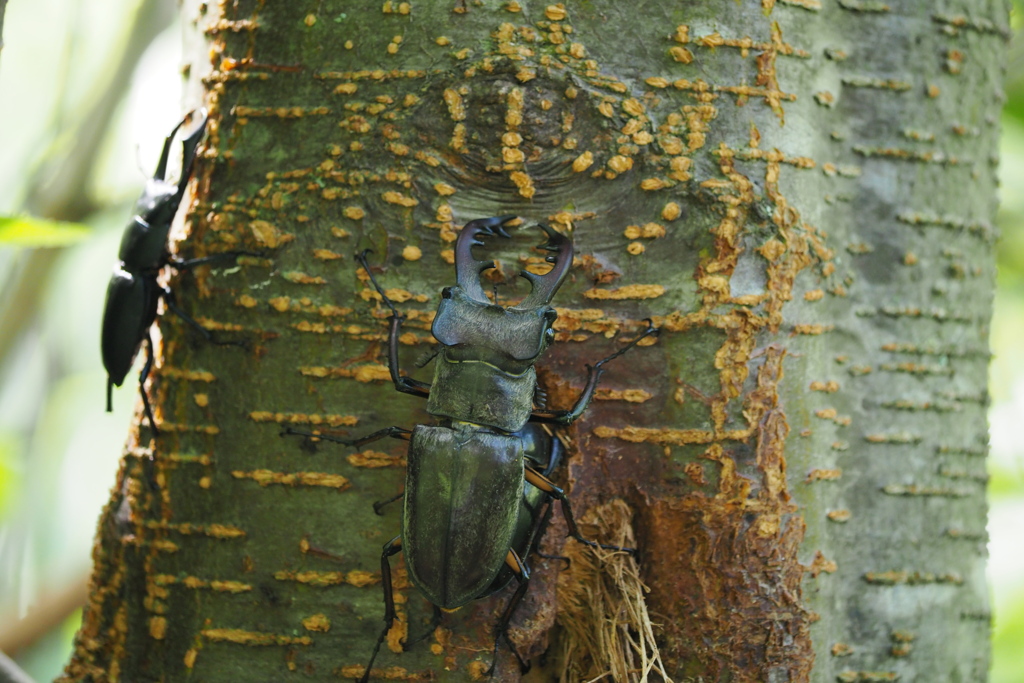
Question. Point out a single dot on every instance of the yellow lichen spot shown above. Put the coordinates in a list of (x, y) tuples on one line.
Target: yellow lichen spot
[(910, 259), (157, 627), (636, 248), (680, 166), (511, 139), (355, 146), (814, 295), (404, 8), (448, 256), (265, 233), (301, 278), (620, 164), (444, 189), (326, 254), (310, 19), (411, 253), (354, 212), (606, 109), (190, 657), (511, 155), (524, 183), (246, 301), (657, 82), (392, 48), (682, 34), (392, 197), (583, 162), (626, 292), (524, 74), (933, 90), (577, 50), (681, 54), (715, 283), (571, 92), (202, 400), (317, 622), (633, 107), (652, 230), (346, 89), (772, 249), (454, 101), (280, 303), (555, 12), (462, 54), (442, 40), (205, 482), (643, 138), (651, 184), (671, 211), (671, 144), (349, 45)]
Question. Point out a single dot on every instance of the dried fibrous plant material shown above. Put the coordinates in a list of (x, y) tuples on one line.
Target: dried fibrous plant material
[(608, 634)]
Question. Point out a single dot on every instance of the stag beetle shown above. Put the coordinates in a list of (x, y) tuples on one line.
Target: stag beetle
[(473, 493), (133, 292)]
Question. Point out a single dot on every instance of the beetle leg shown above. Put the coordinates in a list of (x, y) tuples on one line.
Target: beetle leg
[(381, 503), (392, 547), (142, 384), (435, 621), (396, 432), (404, 384), (522, 572), (172, 304), (544, 484), (594, 372), (185, 264)]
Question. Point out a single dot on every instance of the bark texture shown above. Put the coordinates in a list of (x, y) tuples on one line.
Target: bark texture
[(800, 193)]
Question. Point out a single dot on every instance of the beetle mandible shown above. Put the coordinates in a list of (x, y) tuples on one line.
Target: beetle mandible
[(133, 292), (472, 492)]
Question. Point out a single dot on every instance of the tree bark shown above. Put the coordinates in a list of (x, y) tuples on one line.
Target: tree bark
[(799, 193)]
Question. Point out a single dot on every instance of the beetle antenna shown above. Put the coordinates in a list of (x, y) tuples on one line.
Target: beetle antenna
[(188, 147), (161, 167), (651, 331), (428, 356), (361, 257)]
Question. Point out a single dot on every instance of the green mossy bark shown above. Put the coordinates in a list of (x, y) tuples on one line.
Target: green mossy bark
[(799, 193)]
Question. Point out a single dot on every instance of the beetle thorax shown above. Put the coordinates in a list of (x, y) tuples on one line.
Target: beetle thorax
[(484, 373), (509, 338)]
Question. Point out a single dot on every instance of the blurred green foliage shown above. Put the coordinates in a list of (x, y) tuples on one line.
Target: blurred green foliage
[(26, 231)]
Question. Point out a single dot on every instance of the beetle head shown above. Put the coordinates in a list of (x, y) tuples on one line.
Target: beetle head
[(159, 201), (474, 328)]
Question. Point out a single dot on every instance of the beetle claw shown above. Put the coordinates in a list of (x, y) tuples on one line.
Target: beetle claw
[(467, 268), (545, 286)]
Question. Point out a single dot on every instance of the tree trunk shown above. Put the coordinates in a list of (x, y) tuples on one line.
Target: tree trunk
[(799, 193)]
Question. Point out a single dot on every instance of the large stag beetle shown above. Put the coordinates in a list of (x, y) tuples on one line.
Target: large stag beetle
[(476, 488)]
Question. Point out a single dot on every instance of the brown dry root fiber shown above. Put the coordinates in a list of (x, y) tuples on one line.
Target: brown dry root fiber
[(608, 634)]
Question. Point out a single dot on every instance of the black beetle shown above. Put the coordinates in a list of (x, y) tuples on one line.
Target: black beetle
[(133, 292), (472, 493)]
